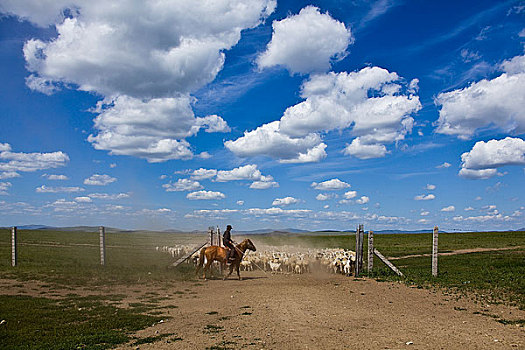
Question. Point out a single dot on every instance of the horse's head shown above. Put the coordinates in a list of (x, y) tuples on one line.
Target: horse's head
[(249, 245)]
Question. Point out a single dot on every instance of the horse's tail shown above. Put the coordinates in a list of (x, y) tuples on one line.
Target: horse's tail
[(201, 259)]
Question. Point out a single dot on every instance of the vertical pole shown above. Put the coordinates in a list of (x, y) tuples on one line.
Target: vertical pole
[(435, 251), (211, 234), (359, 250), (219, 238), (14, 251), (102, 235), (370, 251), (361, 239)]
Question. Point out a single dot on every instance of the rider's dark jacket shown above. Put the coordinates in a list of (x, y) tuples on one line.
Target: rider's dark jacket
[(227, 239)]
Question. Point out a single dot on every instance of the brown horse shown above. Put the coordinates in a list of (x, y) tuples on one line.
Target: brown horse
[(219, 254)]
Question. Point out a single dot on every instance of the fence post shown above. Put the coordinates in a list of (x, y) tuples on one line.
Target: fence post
[(102, 236), (211, 234), (435, 251), (370, 251), (14, 251), (359, 250)]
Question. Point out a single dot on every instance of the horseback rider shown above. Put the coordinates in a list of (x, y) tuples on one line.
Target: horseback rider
[(227, 240)]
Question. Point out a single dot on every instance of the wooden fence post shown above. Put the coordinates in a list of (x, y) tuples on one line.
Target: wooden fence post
[(359, 250), (211, 234), (435, 251), (102, 236), (370, 251), (14, 250)]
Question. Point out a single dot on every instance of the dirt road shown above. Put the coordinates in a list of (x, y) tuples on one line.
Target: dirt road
[(279, 311)]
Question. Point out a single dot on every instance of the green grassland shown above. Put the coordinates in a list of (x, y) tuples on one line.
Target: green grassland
[(69, 260)]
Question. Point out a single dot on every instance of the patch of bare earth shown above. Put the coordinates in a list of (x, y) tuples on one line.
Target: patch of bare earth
[(310, 311)]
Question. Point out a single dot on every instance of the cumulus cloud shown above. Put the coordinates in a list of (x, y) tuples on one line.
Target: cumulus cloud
[(496, 103), (373, 102), (145, 59), (424, 213), (55, 177), (12, 162), (362, 200), (285, 201), (8, 175), (448, 209), (108, 196), (306, 42), (323, 196), (153, 129), (263, 185), (4, 186), (424, 197), (350, 194), (330, 185), (99, 180), (485, 157), (182, 185), (205, 195), (202, 174), (46, 189), (83, 199), (430, 187)]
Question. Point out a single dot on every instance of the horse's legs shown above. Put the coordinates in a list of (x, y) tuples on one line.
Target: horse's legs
[(238, 273), (208, 263)]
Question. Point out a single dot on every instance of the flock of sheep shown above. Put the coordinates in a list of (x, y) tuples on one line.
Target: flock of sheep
[(284, 259)]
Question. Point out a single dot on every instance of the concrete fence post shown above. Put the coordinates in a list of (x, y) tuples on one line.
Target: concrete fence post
[(102, 236), (14, 248), (435, 251)]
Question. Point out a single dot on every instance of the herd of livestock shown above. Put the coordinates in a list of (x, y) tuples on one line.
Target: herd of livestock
[(283, 259)]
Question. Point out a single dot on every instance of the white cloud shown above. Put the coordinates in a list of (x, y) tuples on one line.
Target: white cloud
[(246, 172), (46, 189), (423, 197), (113, 165), (202, 174), (145, 59), (448, 209), (55, 177), (423, 221), (350, 194), (306, 42), (4, 186), (83, 199), (99, 180), (141, 51), (182, 185), (205, 195), (330, 185), (496, 103), (29, 162), (363, 200), (363, 151), (469, 209), (263, 185), (424, 213), (240, 202), (323, 196), (285, 201), (483, 218), (430, 187), (485, 157), (277, 211), (444, 165), (153, 129), (8, 175), (337, 101), (108, 196)]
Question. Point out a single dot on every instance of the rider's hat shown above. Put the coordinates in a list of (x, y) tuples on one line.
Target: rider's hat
[(229, 227)]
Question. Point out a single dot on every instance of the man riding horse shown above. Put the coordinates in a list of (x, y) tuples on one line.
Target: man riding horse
[(227, 240)]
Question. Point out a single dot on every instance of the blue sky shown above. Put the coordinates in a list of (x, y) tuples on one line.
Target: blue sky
[(263, 114)]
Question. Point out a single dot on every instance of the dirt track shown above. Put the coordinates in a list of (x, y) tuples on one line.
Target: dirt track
[(328, 312)]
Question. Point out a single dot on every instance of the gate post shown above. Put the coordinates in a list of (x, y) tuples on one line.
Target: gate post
[(359, 250), (370, 251), (435, 251), (102, 236), (14, 250)]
